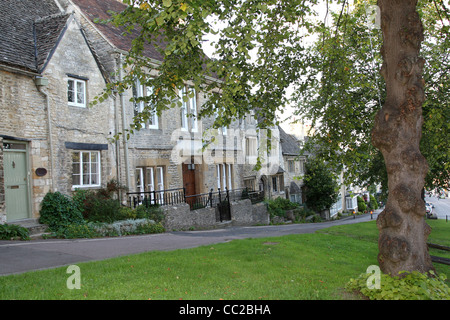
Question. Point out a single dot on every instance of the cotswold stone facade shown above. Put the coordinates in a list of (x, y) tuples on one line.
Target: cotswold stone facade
[(51, 139), (54, 60)]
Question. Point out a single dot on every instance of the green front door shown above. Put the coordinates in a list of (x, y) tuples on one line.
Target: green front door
[(16, 181)]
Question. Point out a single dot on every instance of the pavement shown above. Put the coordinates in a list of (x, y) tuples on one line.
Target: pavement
[(23, 256)]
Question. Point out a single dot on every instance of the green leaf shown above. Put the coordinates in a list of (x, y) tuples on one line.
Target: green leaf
[(167, 3)]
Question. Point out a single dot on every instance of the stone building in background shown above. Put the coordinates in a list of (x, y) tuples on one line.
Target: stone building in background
[(54, 60)]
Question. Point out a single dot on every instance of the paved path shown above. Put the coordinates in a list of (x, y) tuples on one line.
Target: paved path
[(23, 256)]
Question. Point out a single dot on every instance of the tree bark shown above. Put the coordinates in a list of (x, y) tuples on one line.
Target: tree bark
[(397, 132)]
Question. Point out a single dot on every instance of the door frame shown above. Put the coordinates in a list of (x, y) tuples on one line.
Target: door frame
[(27, 173)]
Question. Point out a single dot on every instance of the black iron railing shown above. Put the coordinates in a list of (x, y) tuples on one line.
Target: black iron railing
[(197, 201), (161, 197)]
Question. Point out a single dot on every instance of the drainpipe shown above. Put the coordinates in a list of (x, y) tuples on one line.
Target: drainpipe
[(42, 82), (125, 140)]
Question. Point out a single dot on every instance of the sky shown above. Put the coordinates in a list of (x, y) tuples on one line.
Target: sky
[(321, 9)]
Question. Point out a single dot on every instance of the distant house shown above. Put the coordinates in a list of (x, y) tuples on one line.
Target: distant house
[(294, 166), (166, 152), (54, 59), (50, 139)]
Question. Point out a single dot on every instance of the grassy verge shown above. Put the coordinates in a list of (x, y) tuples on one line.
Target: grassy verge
[(310, 266)]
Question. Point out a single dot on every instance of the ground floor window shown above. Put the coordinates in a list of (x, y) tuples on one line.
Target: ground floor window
[(278, 183), (224, 176), (86, 169), (149, 179)]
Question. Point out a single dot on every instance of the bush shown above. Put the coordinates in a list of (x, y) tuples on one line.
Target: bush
[(152, 212), (278, 206), (412, 286), (12, 231), (373, 203), (361, 204), (128, 227), (301, 214), (75, 231), (99, 205), (58, 210)]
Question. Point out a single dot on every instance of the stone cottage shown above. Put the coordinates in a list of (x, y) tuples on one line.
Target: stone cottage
[(166, 152), (50, 138), (294, 166), (54, 59)]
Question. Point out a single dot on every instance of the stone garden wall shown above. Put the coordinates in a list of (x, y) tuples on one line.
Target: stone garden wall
[(243, 213)]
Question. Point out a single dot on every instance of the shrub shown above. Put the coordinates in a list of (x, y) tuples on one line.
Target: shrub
[(412, 286), (12, 231), (58, 210), (75, 231), (361, 204), (152, 212), (302, 213), (128, 227), (98, 205), (278, 206), (373, 203)]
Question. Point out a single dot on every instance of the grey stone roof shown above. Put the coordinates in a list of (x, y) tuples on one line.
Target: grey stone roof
[(101, 9), (47, 34), (17, 32), (289, 144)]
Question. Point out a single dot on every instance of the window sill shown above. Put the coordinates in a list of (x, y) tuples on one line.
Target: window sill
[(86, 187)]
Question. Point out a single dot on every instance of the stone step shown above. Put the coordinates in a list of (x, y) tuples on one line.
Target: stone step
[(35, 229)]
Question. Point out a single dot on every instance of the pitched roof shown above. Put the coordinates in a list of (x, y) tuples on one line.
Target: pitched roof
[(17, 32), (289, 144), (47, 34), (99, 9)]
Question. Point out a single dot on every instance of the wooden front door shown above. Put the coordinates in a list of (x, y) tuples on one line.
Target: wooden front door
[(16, 181), (189, 178)]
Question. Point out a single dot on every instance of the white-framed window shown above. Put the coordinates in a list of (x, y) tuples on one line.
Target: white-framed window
[(139, 91), (76, 92), (149, 179), (224, 176), (251, 146), (86, 169), (188, 98)]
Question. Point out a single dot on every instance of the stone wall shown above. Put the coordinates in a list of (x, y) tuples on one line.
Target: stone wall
[(2, 186), (243, 213)]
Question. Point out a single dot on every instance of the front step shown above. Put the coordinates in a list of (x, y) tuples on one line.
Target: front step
[(35, 229)]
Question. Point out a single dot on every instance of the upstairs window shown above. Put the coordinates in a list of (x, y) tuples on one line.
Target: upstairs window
[(139, 91), (76, 92), (188, 111)]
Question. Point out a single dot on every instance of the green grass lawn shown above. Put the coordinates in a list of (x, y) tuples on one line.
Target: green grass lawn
[(309, 266)]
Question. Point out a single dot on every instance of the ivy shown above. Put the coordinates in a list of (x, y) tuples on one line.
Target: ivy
[(407, 286)]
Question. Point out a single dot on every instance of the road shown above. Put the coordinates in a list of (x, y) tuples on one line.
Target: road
[(441, 206), (23, 256)]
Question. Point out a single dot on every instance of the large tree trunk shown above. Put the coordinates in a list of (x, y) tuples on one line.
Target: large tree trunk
[(397, 133)]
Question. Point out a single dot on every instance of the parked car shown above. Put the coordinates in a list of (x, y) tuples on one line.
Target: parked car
[(429, 210)]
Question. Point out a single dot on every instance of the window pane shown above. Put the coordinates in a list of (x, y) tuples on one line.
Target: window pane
[(95, 178), (76, 180), (76, 168), (80, 92), (150, 180), (160, 177), (76, 157), (94, 157), (70, 91)]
